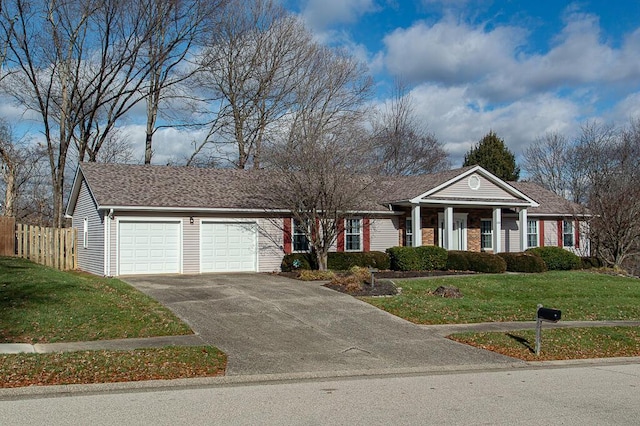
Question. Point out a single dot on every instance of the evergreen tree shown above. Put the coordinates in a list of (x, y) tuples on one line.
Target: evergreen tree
[(493, 155)]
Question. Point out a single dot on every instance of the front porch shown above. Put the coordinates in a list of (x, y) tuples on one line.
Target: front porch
[(469, 228)]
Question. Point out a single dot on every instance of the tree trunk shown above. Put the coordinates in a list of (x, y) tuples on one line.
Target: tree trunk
[(322, 257), (10, 192)]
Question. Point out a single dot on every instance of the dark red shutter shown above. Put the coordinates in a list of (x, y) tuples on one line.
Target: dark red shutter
[(286, 237), (576, 243), (541, 225), (560, 233), (366, 234), (340, 231)]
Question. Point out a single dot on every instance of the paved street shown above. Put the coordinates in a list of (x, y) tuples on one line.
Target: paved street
[(590, 395)]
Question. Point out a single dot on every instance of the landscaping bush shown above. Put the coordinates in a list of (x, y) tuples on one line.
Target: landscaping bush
[(475, 261), (458, 261), (432, 258), (589, 262), (404, 258), (557, 258), (343, 261), (297, 262), (523, 262), (425, 258)]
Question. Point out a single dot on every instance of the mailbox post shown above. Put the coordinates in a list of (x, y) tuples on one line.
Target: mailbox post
[(548, 315)]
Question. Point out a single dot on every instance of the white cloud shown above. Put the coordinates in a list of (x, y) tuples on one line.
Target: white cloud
[(450, 52), (459, 122), (493, 63), (320, 14)]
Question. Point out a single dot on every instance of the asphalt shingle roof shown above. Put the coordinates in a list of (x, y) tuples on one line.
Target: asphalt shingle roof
[(125, 185)]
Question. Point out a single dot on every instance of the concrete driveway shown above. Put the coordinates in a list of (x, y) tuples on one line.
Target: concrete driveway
[(269, 324)]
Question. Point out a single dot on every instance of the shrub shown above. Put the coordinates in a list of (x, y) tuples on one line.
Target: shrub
[(309, 275), (557, 258), (523, 262), (343, 261), (589, 262), (404, 258), (425, 258), (432, 258), (476, 261), (297, 262), (458, 261)]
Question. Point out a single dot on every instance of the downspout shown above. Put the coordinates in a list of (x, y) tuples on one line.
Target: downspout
[(107, 244)]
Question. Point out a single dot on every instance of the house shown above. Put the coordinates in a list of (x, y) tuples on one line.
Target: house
[(134, 219)]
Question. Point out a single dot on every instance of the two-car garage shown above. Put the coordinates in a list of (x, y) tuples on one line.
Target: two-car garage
[(158, 246)]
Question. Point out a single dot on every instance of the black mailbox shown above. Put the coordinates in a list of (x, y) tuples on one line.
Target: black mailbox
[(549, 314)]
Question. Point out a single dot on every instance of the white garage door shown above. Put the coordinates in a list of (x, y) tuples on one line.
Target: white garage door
[(228, 247), (149, 247)]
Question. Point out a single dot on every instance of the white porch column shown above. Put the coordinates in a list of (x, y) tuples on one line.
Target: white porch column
[(497, 229), (522, 217), (416, 225), (448, 228)]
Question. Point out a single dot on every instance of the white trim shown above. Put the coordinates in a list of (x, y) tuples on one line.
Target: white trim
[(460, 202), (524, 229), (229, 210), (490, 220), (361, 234), (497, 230), (416, 219), (293, 232), (150, 219), (85, 232), (538, 223), (233, 221)]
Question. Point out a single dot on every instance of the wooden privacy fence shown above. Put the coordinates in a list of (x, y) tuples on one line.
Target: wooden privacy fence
[(7, 236), (55, 247)]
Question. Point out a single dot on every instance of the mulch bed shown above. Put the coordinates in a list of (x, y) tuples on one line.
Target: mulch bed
[(381, 288)]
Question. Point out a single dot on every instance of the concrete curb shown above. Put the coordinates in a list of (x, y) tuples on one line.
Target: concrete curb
[(265, 379)]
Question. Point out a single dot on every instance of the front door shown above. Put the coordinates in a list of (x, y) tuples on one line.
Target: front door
[(459, 241)]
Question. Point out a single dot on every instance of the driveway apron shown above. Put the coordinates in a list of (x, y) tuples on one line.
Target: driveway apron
[(268, 324)]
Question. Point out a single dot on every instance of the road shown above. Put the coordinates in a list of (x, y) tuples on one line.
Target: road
[(581, 395)]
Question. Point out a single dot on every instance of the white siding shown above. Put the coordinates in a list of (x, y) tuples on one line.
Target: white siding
[(384, 233), (461, 189), (510, 234), (191, 245), (91, 258), (550, 233), (270, 244)]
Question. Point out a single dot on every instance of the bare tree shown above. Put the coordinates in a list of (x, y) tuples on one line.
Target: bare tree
[(20, 163), (401, 144), (258, 54), (547, 163), (79, 66), (321, 176), (614, 196), (178, 27)]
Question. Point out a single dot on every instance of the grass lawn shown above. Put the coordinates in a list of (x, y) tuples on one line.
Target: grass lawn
[(110, 366), (43, 305), (559, 343), (580, 295)]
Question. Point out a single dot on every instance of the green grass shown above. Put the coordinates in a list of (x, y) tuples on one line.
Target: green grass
[(43, 305), (110, 366), (513, 297), (571, 343)]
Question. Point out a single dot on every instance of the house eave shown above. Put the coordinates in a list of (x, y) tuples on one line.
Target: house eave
[(118, 208)]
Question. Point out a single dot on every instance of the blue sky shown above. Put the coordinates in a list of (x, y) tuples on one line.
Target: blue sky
[(520, 68)]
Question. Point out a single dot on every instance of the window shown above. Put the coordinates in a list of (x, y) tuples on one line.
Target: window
[(85, 232), (532, 233), (486, 234), (352, 234), (300, 241), (408, 232), (567, 233)]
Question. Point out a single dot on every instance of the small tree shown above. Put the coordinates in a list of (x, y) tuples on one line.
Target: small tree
[(492, 154)]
